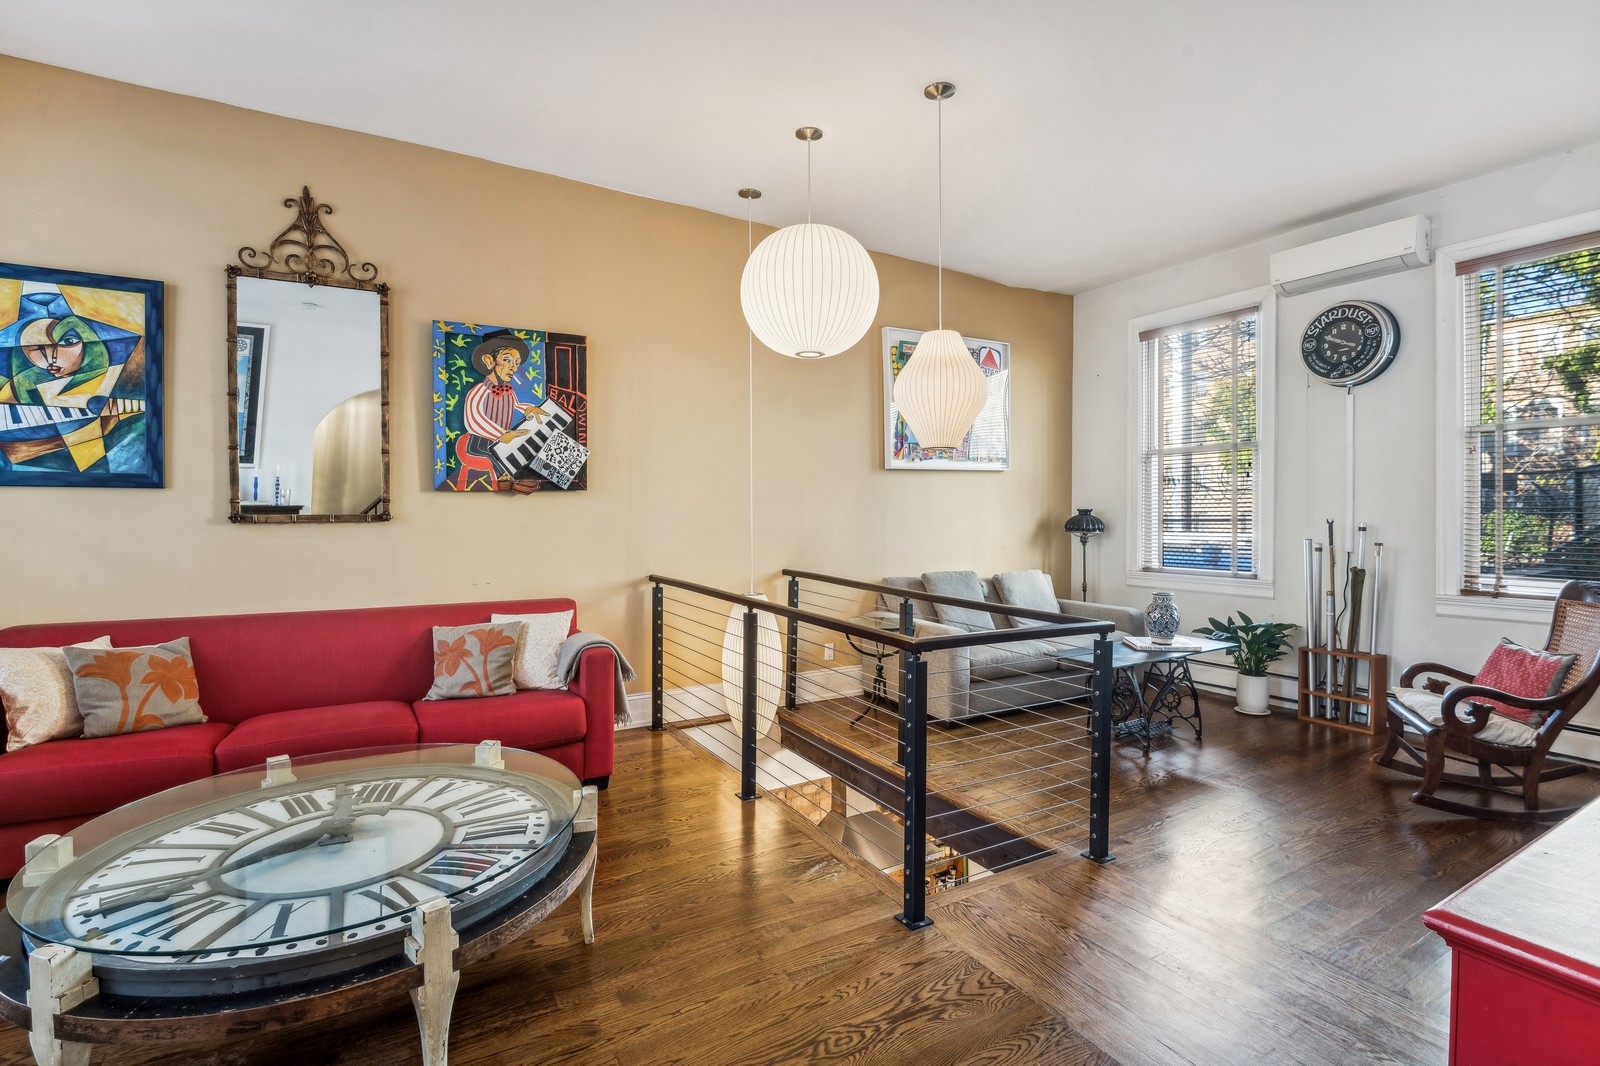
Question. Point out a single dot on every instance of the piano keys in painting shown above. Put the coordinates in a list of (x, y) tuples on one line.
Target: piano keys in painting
[(510, 409)]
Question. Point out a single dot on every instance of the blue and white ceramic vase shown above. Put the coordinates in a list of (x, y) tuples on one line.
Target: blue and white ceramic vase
[(1161, 618)]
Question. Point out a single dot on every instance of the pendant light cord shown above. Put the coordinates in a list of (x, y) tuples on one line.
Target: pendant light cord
[(941, 212), (808, 181), (750, 376)]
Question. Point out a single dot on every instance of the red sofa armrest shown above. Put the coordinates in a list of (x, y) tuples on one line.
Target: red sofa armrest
[(596, 685)]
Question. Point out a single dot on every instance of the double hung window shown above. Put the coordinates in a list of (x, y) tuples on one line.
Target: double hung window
[(1200, 480), (1530, 417)]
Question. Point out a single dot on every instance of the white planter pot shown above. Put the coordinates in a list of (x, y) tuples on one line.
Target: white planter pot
[(1252, 696)]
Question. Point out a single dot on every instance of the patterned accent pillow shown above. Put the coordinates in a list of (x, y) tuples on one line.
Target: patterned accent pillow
[(539, 640), (473, 660), (36, 689), (1522, 672), (125, 690)]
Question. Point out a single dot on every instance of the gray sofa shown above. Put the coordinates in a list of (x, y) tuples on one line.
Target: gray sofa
[(992, 678)]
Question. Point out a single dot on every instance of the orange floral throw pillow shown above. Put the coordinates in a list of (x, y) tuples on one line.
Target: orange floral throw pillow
[(126, 690), (473, 660)]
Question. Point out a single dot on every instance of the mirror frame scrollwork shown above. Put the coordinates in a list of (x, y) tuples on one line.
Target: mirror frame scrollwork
[(305, 252)]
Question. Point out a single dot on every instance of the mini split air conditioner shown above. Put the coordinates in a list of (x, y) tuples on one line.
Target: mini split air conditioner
[(1366, 253)]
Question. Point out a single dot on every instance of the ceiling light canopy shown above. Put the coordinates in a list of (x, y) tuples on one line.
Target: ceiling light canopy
[(809, 291), (941, 390)]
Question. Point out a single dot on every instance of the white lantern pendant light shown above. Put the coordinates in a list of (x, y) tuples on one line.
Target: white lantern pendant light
[(809, 291), (941, 390)]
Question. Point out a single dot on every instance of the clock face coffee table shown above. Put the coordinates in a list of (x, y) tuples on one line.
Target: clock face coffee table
[(254, 892)]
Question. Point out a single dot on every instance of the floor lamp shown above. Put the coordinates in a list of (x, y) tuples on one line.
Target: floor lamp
[(1084, 525)]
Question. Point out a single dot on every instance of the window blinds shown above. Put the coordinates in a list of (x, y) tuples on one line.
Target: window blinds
[(1531, 418), (1199, 446)]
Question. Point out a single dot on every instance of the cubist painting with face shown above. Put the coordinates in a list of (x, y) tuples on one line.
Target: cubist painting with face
[(80, 379)]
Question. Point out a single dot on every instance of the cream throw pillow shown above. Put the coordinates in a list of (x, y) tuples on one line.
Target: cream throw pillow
[(537, 648), (36, 688)]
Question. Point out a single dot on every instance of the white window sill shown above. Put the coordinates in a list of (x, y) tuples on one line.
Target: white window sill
[(1495, 610), (1232, 586)]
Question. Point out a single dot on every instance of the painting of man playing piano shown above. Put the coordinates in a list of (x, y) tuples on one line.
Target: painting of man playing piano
[(80, 379), (510, 409)]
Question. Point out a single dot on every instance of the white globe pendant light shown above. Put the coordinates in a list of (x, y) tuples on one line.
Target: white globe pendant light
[(809, 291), (941, 390)]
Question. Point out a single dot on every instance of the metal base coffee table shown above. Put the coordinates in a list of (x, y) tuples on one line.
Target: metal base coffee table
[(1145, 706)]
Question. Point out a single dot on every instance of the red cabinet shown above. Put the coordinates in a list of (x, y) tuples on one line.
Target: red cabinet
[(1525, 946)]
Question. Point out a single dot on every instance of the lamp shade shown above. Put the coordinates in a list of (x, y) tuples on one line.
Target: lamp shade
[(941, 390), (809, 291), (1085, 524)]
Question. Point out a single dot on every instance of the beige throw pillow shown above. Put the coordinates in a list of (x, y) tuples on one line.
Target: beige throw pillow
[(538, 647), (128, 690), (36, 688)]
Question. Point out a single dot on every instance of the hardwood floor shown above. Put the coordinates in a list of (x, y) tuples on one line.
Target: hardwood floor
[(1263, 908)]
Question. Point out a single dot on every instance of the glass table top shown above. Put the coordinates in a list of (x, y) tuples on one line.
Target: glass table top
[(323, 848)]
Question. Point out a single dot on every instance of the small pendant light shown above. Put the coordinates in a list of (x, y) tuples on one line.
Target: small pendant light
[(941, 390)]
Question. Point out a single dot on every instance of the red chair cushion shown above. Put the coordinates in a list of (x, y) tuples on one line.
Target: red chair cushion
[(1522, 672), (315, 730), (531, 720), (66, 778), (14, 839)]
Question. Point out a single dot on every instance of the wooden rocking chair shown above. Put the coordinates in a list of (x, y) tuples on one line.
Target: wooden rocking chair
[(1469, 732)]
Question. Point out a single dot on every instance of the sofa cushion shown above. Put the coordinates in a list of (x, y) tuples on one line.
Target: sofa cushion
[(919, 608), (532, 719), (1029, 589), (991, 662), (127, 690), (1497, 730), (64, 778), (962, 584), (36, 688), (315, 730), (991, 594)]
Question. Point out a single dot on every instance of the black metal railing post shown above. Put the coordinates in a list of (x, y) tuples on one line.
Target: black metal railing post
[(747, 711), (914, 697), (658, 611), (1100, 728), (791, 660), (908, 627)]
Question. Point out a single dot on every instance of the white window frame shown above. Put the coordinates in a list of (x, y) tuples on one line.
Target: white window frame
[(1450, 472), (1265, 300)]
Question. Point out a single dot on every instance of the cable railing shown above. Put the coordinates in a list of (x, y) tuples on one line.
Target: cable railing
[(936, 754)]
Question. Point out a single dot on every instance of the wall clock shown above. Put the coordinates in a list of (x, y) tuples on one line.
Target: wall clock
[(1350, 343), (298, 879)]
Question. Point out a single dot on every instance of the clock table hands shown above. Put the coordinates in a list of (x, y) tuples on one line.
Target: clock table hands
[(335, 829)]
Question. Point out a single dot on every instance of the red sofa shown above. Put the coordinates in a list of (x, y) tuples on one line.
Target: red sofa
[(297, 683)]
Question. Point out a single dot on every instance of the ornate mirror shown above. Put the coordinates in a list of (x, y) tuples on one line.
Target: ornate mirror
[(308, 379)]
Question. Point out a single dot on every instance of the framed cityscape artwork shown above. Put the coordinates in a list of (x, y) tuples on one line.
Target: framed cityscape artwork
[(80, 379), (987, 445), (510, 409)]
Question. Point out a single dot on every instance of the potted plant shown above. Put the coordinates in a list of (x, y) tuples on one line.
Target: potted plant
[(1257, 645)]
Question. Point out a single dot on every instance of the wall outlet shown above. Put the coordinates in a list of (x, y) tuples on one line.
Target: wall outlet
[(827, 653)]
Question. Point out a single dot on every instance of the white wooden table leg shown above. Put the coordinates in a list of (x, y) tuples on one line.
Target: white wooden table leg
[(587, 820), (432, 944), (59, 979)]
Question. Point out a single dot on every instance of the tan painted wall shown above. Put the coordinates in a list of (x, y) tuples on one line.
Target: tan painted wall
[(110, 178)]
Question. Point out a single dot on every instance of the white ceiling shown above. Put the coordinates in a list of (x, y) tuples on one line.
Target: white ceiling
[(1089, 140)]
